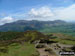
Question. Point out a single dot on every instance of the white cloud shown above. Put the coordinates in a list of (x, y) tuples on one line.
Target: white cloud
[(43, 12), (67, 13), (47, 13), (6, 20)]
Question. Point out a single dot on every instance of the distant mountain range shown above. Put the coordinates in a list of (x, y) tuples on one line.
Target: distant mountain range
[(57, 26), (23, 25)]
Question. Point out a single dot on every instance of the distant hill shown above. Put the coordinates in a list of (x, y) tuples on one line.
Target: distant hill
[(23, 25), (56, 26)]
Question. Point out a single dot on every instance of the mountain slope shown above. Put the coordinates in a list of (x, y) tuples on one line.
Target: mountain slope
[(57, 26), (23, 25)]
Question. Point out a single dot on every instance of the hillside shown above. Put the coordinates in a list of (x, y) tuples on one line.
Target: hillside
[(19, 43), (23, 25), (7, 38), (24, 43), (57, 26)]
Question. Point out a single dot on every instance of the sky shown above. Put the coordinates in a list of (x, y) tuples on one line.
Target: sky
[(12, 10)]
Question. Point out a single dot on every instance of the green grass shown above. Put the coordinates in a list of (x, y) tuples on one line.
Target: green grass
[(67, 42), (62, 41), (69, 30), (20, 50)]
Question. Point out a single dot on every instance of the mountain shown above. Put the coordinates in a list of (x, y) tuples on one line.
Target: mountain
[(23, 25), (56, 26)]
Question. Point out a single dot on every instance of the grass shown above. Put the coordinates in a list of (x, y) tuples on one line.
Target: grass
[(20, 50), (63, 41), (68, 42)]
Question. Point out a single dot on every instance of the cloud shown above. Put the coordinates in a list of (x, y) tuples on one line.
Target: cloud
[(43, 12), (67, 13), (48, 13), (7, 19)]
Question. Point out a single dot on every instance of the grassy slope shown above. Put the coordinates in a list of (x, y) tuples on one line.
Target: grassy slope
[(68, 42), (69, 30), (63, 38), (20, 50)]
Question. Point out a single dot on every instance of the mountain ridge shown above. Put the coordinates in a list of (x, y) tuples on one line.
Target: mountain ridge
[(23, 25)]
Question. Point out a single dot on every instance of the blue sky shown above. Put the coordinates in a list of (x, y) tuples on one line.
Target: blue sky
[(11, 10), (9, 6)]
